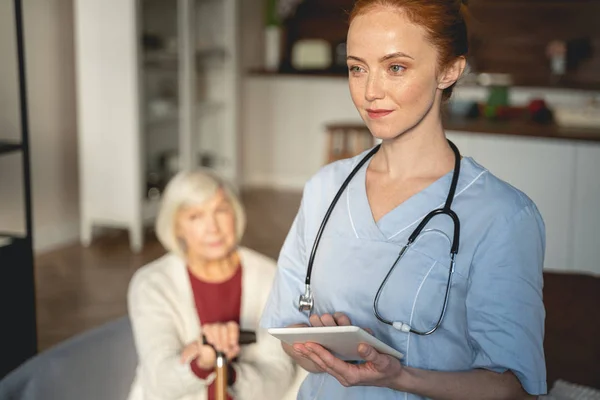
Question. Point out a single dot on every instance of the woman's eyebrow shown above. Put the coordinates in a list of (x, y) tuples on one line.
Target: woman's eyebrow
[(397, 54)]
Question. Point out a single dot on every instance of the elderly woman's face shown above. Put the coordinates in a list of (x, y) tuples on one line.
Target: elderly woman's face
[(208, 229)]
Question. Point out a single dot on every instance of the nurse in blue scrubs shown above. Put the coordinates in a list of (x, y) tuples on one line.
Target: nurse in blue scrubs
[(404, 58)]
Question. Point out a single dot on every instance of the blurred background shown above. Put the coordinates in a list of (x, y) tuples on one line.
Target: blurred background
[(112, 97)]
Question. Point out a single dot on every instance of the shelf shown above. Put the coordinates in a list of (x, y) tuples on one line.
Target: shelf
[(515, 127), (167, 60), (7, 239), (521, 128), (209, 106), (210, 52), (150, 208), (307, 73), (170, 117), (7, 147)]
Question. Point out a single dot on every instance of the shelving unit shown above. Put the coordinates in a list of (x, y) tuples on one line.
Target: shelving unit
[(7, 147), (18, 339), (156, 94)]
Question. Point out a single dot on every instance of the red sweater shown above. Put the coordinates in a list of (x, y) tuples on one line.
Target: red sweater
[(217, 302)]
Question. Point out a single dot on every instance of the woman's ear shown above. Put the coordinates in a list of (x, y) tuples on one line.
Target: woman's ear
[(452, 73)]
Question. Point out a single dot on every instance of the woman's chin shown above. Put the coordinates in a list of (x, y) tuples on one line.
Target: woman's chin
[(215, 251), (383, 131)]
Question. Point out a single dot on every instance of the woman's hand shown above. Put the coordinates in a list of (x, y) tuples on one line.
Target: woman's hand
[(378, 370), (298, 357), (219, 337), (224, 337), (204, 354)]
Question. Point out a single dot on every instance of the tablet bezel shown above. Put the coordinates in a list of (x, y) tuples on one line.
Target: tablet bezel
[(342, 341)]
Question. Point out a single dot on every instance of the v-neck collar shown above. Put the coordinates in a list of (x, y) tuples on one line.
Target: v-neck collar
[(250, 304), (407, 214)]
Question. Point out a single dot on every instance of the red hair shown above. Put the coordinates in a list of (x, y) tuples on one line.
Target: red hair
[(443, 20)]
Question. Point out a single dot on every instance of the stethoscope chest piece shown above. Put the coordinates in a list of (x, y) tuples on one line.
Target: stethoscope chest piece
[(306, 301)]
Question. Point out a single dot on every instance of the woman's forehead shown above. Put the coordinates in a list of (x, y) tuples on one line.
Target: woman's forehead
[(384, 31), (215, 199)]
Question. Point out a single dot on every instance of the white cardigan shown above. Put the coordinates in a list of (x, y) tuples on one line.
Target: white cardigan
[(165, 320)]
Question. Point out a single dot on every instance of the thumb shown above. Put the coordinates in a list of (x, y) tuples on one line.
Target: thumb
[(369, 354)]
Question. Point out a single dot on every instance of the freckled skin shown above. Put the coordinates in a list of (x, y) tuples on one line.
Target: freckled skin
[(408, 83)]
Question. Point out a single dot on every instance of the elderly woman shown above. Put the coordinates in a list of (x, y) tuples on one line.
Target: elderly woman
[(206, 286)]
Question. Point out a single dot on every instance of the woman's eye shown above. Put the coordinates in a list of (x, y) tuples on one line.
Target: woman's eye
[(396, 68), (355, 69)]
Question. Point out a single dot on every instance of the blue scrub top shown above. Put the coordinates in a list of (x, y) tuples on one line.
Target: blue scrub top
[(495, 315)]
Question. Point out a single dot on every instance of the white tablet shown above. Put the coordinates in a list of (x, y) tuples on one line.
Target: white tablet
[(341, 341)]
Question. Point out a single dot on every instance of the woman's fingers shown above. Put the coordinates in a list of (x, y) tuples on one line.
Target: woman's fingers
[(342, 319), (337, 319), (190, 352), (209, 334), (223, 337), (328, 320), (206, 357), (223, 341), (315, 320), (233, 334), (232, 339)]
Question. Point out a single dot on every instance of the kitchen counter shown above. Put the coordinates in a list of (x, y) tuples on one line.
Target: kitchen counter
[(521, 128), (509, 127)]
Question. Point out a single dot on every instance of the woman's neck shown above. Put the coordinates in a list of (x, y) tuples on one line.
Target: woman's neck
[(420, 152), (213, 270)]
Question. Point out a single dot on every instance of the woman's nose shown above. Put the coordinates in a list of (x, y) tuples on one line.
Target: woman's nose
[(212, 224), (375, 87)]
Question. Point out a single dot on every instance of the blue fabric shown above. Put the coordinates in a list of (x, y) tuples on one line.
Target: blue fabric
[(495, 315), (96, 365)]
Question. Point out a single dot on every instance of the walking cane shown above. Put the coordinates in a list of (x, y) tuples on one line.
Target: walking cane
[(221, 380)]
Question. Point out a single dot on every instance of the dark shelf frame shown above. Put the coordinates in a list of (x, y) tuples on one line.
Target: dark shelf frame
[(8, 147), (17, 281)]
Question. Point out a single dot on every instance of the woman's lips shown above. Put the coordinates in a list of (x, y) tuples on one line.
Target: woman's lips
[(379, 113)]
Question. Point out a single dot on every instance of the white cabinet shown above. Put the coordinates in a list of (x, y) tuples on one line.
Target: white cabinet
[(586, 208), (561, 177), (157, 92)]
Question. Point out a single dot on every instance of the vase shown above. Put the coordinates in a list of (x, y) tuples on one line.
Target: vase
[(272, 47)]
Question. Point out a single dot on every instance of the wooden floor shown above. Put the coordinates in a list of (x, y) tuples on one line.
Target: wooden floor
[(80, 288)]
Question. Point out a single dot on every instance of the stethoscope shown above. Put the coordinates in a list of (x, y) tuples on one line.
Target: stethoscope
[(306, 302)]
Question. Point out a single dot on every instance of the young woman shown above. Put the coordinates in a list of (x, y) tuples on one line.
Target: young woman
[(459, 291)]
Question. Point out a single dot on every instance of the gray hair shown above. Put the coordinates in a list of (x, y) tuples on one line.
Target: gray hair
[(189, 188)]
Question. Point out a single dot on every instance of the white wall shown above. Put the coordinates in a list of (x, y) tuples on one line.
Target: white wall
[(51, 95), (283, 127)]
